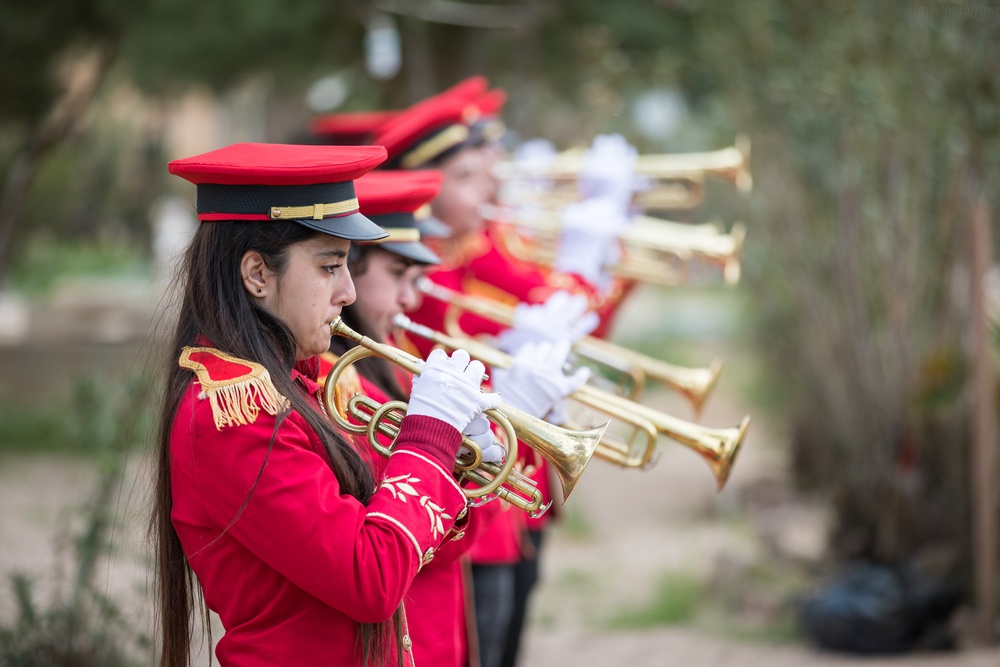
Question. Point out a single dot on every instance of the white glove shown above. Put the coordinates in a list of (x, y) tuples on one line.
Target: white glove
[(447, 388), (534, 155), (562, 316), (589, 238), (480, 431), (608, 168), (535, 382), (531, 159)]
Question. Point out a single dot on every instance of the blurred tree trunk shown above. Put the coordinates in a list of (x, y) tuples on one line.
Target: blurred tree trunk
[(43, 135), (984, 427)]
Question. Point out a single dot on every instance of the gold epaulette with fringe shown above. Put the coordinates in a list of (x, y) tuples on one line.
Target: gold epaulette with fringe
[(236, 388), (348, 384)]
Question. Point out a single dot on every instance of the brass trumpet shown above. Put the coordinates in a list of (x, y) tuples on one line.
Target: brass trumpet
[(694, 384), (721, 249), (655, 252), (680, 193), (675, 194), (731, 164), (568, 451), (718, 447)]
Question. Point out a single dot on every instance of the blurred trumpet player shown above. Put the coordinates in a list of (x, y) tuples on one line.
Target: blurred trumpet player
[(449, 135), (384, 276), (457, 134)]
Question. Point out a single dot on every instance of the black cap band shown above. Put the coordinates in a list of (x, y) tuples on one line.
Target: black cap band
[(216, 198)]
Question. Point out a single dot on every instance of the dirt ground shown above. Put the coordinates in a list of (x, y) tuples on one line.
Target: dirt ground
[(621, 533)]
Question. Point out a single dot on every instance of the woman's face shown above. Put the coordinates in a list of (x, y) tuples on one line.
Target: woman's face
[(492, 152), (464, 190), (310, 293), (385, 288)]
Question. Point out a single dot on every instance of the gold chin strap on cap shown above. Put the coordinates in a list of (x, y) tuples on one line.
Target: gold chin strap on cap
[(315, 211), (422, 212), (439, 143), (400, 235)]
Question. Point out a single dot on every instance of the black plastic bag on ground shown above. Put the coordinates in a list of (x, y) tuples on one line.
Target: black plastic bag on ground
[(874, 609)]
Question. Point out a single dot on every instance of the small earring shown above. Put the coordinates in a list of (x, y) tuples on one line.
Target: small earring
[(258, 290)]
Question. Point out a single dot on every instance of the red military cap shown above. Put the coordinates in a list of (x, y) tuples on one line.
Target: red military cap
[(426, 131), (349, 127), (393, 200), (466, 90), (311, 185), (490, 104)]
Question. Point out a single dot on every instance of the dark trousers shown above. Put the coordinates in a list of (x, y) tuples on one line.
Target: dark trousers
[(525, 578), (493, 590)]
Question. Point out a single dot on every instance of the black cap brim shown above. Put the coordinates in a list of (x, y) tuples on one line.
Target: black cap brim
[(414, 250), (353, 227), (432, 228)]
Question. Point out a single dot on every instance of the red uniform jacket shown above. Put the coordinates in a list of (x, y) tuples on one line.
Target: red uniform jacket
[(290, 564), (436, 602)]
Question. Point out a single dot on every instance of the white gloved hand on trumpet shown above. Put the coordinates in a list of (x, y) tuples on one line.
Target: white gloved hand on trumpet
[(447, 388), (588, 242), (536, 381), (481, 433), (562, 316), (607, 170)]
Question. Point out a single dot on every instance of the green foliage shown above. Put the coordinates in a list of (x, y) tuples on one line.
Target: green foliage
[(871, 145), (82, 423), (82, 626), (677, 599), (89, 200), (102, 183), (37, 37), (228, 40), (46, 260), (62, 636)]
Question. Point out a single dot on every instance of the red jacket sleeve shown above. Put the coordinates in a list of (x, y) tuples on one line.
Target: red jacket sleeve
[(284, 504)]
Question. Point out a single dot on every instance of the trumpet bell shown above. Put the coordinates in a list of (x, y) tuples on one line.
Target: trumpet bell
[(568, 451), (720, 448)]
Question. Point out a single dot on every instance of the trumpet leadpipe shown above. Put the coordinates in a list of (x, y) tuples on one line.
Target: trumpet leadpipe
[(731, 163)]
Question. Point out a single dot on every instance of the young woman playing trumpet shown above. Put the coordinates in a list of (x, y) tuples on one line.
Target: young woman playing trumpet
[(264, 512)]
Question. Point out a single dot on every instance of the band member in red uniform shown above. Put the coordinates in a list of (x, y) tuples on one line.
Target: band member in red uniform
[(589, 235), (442, 134), (263, 509), (384, 276), (355, 128), (446, 134)]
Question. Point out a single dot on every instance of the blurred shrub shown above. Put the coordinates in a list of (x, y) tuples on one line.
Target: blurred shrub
[(46, 258), (81, 423), (90, 193), (82, 626), (873, 138)]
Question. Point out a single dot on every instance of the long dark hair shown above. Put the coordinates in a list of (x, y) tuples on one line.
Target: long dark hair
[(376, 370), (215, 304)]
